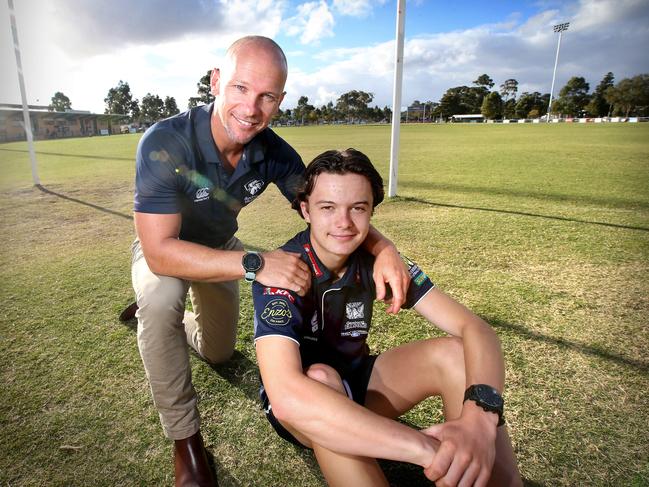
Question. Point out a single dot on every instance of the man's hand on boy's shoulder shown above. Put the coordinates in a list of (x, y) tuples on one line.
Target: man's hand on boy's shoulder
[(390, 269), (285, 270), (467, 450)]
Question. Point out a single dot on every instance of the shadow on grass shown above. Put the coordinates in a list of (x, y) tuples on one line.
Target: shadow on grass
[(464, 188), (240, 372), (222, 476), (81, 156), (560, 342), (523, 213), (85, 203)]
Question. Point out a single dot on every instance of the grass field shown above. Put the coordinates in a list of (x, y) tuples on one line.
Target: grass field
[(542, 230)]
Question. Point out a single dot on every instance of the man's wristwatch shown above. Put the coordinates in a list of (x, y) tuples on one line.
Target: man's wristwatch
[(487, 398), (252, 263)]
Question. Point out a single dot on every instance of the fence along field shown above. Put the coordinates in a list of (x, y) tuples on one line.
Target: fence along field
[(543, 230)]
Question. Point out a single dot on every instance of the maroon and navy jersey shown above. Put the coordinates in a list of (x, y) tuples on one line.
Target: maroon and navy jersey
[(330, 323)]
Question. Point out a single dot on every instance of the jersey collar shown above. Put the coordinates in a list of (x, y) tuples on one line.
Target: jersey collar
[(320, 271)]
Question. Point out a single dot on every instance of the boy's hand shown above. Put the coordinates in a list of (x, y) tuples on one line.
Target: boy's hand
[(389, 268), (468, 448)]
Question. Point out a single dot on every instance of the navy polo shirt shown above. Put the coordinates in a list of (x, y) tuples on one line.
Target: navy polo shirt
[(330, 323), (178, 170)]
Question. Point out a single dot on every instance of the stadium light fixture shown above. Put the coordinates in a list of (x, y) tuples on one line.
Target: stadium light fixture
[(560, 28)]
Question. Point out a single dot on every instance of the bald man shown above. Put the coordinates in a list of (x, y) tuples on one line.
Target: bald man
[(194, 173)]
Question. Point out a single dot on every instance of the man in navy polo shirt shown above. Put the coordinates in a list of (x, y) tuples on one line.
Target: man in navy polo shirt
[(194, 173), (321, 387)]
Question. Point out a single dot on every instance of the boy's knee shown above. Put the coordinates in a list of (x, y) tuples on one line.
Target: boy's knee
[(326, 375)]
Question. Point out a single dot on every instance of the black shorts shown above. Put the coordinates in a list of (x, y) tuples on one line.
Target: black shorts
[(355, 387)]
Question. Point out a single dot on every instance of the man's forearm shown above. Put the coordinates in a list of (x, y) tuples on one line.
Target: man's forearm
[(194, 262), (375, 242)]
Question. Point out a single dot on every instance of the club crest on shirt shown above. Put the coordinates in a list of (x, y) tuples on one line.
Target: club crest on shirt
[(277, 313), (355, 311), (253, 188)]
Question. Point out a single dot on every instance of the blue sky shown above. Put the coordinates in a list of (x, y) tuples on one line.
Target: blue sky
[(163, 47)]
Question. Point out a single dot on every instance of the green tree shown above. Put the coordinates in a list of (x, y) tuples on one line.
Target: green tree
[(60, 103), (573, 97), (492, 106), (509, 88), (630, 96), (354, 104), (204, 90), (303, 110), (151, 108), (598, 106), (509, 108), (462, 100), (120, 101), (170, 107), (485, 81), (531, 105)]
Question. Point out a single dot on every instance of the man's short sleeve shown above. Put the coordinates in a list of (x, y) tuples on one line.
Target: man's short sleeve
[(420, 284), (292, 176), (277, 312), (159, 155)]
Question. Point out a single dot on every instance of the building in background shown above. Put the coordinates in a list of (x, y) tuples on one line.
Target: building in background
[(52, 125)]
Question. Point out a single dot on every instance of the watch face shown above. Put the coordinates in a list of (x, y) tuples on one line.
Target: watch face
[(489, 396), (252, 262)]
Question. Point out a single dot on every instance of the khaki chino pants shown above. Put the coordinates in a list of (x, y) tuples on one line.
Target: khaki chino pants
[(164, 329)]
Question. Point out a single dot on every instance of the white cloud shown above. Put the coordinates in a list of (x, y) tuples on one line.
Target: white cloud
[(601, 41), (313, 22), (355, 8)]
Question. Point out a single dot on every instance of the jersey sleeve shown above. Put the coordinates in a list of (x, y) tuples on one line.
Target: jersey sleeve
[(420, 284), (277, 312), (159, 155)]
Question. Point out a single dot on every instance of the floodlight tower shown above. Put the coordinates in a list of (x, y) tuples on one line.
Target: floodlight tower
[(557, 28)]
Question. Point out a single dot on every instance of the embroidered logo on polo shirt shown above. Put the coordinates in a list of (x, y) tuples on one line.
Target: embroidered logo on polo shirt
[(202, 194), (277, 313), (253, 188)]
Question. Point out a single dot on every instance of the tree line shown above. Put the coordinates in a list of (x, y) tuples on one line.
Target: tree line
[(629, 97)]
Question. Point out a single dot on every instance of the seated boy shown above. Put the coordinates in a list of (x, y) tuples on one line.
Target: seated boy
[(321, 387)]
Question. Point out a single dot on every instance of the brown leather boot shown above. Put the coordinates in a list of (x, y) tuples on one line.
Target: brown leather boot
[(191, 465)]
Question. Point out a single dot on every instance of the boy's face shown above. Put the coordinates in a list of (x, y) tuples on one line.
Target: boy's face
[(339, 210)]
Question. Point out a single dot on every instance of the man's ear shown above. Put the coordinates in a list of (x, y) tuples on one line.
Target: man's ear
[(304, 208), (215, 77)]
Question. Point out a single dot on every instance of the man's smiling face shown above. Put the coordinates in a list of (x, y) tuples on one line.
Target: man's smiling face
[(248, 91)]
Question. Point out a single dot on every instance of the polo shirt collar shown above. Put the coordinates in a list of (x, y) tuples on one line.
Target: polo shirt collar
[(254, 151)]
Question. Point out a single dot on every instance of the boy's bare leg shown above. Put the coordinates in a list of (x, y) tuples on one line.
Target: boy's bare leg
[(344, 470), (339, 469), (406, 375)]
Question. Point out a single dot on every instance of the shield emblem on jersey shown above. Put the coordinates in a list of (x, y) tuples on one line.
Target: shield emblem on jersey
[(355, 311)]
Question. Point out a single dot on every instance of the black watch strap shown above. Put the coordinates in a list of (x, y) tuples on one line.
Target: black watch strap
[(488, 398)]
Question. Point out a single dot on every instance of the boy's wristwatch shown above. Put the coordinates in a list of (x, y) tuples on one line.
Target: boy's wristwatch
[(252, 263), (487, 398)]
